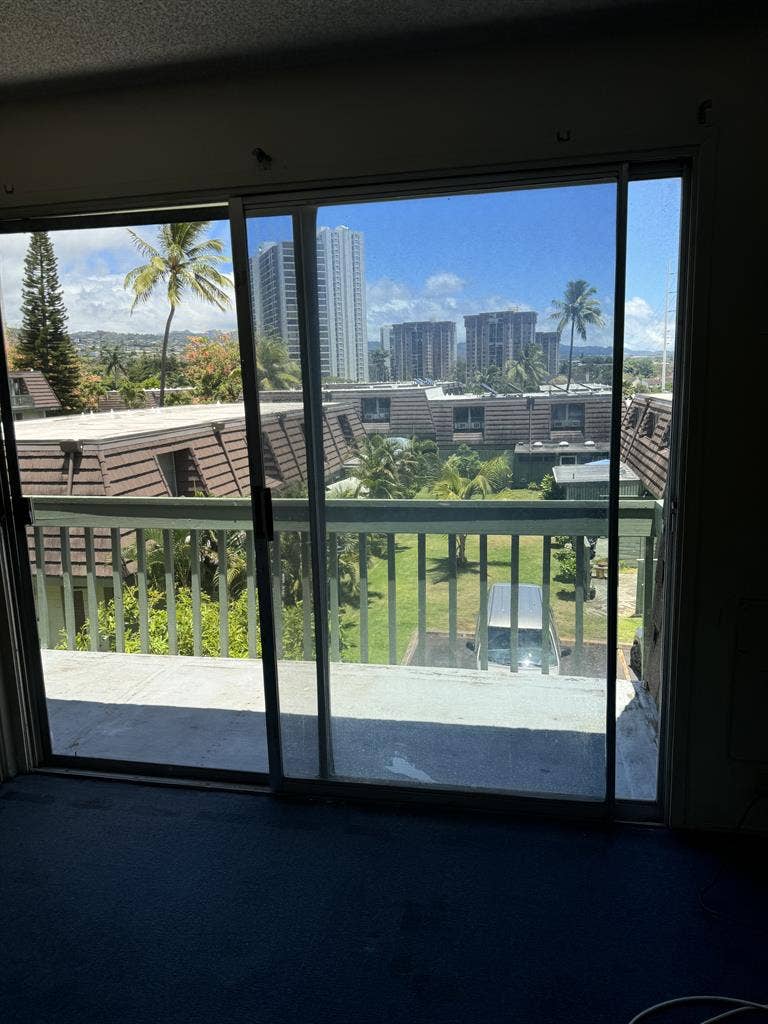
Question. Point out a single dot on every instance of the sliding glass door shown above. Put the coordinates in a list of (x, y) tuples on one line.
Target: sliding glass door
[(463, 518), (142, 477), (375, 493)]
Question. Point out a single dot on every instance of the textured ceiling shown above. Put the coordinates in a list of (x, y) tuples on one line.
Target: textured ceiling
[(54, 40)]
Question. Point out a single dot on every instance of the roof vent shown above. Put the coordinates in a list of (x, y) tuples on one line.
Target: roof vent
[(589, 444), (537, 444), (563, 444)]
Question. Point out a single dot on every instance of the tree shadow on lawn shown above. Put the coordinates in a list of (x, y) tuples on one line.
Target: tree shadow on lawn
[(441, 570)]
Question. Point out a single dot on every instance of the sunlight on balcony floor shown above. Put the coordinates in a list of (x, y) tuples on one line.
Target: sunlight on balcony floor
[(451, 727)]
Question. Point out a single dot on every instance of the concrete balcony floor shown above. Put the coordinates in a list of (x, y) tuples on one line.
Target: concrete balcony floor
[(400, 724)]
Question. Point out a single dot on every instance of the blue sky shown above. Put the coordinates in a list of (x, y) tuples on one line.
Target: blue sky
[(435, 258)]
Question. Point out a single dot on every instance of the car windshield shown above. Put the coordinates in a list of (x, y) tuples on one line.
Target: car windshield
[(528, 647)]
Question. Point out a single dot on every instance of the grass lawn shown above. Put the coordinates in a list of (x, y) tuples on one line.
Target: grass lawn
[(468, 592)]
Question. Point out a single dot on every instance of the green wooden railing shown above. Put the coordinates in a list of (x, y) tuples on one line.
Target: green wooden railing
[(120, 524)]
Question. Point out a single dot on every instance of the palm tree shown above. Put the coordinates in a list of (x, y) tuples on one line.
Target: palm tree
[(529, 371), (115, 361), (377, 471), (276, 370), (579, 309), (453, 487), (183, 262)]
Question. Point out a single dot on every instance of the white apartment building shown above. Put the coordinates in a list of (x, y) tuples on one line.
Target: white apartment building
[(341, 300), (341, 266)]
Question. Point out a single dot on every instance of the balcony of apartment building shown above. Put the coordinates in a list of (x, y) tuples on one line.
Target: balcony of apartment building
[(469, 424), (375, 413), (31, 395), (425, 684)]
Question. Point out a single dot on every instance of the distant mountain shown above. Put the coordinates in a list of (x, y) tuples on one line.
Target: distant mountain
[(605, 350)]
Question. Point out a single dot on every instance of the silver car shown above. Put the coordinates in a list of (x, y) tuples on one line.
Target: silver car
[(529, 619)]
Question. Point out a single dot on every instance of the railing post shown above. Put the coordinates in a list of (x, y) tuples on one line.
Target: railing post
[(514, 600), (141, 576), (251, 599), (546, 572), (452, 599), (362, 549), (69, 599), (483, 601), (117, 590), (197, 617), (170, 591), (277, 592), (90, 585), (332, 541), (422, 597), (578, 646), (391, 599), (44, 627), (221, 550), (306, 596)]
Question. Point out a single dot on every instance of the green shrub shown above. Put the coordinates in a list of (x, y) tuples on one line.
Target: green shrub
[(549, 489), (292, 626), (567, 561)]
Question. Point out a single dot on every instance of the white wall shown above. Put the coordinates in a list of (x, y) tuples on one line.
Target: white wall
[(499, 107)]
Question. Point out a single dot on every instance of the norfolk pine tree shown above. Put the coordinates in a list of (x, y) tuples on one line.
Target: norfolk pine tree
[(43, 340)]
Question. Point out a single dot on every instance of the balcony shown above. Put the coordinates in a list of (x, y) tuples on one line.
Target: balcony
[(173, 674), (22, 401)]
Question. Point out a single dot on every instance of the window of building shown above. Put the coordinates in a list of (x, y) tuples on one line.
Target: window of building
[(375, 410), (649, 424), (346, 429), (469, 418), (180, 473), (167, 464), (568, 416), (567, 460)]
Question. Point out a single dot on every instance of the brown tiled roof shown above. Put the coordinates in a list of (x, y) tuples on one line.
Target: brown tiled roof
[(38, 388), (97, 455), (645, 429)]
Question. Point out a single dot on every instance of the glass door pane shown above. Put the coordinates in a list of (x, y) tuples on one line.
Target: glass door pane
[(126, 391), (275, 316), (466, 535), (647, 445)]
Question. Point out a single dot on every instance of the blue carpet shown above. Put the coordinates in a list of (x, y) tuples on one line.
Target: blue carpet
[(142, 904)]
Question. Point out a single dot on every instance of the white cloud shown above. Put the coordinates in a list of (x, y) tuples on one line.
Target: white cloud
[(638, 309), (391, 301), (92, 267), (443, 284), (644, 326)]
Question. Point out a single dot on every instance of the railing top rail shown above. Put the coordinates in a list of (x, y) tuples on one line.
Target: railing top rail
[(350, 515)]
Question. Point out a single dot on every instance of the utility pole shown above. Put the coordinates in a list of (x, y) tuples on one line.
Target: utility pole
[(667, 293)]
